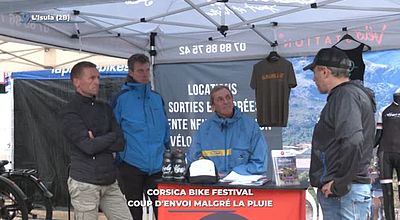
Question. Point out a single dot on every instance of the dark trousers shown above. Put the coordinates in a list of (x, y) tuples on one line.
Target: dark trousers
[(134, 183), (388, 161)]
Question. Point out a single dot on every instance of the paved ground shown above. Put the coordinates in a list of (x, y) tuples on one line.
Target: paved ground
[(62, 215)]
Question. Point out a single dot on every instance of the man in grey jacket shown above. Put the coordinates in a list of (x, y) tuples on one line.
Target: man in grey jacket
[(343, 139)]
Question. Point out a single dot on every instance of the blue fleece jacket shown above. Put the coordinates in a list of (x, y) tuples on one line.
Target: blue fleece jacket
[(140, 113), (232, 144)]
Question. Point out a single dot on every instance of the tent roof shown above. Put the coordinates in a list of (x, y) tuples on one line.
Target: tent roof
[(10, 6), (203, 30), (19, 56)]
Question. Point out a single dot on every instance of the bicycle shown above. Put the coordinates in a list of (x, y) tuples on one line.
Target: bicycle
[(38, 197), (12, 199)]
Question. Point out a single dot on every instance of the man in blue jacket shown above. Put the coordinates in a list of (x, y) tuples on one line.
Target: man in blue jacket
[(231, 139), (141, 115)]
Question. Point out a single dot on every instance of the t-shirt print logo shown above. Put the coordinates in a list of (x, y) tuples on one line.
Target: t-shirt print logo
[(393, 115), (272, 76)]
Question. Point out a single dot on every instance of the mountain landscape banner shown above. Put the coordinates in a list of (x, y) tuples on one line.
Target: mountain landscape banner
[(382, 75)]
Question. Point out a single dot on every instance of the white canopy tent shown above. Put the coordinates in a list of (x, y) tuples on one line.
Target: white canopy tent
[(174, 31), (20, 56), (202, 30)]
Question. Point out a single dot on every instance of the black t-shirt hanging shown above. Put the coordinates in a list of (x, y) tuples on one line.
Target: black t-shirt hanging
[(356, 56)]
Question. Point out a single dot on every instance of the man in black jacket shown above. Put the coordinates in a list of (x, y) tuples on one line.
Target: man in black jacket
[(94, 135), (343, 139)]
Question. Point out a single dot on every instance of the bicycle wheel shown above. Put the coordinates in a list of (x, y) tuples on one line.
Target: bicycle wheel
[(38, 204), (12, 204)]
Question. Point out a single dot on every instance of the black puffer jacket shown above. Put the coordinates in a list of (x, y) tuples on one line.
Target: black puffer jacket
[(343, 138), (92, 160)]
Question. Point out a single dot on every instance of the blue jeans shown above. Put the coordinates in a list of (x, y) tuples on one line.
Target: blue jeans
[(355, 205)]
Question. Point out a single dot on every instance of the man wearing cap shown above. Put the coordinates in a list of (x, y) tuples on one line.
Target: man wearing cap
[(343, 139)]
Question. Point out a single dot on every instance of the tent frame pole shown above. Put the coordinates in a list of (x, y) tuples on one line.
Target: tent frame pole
[(153, 53)]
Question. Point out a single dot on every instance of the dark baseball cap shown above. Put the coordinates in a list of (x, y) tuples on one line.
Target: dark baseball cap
[(331, 57)]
